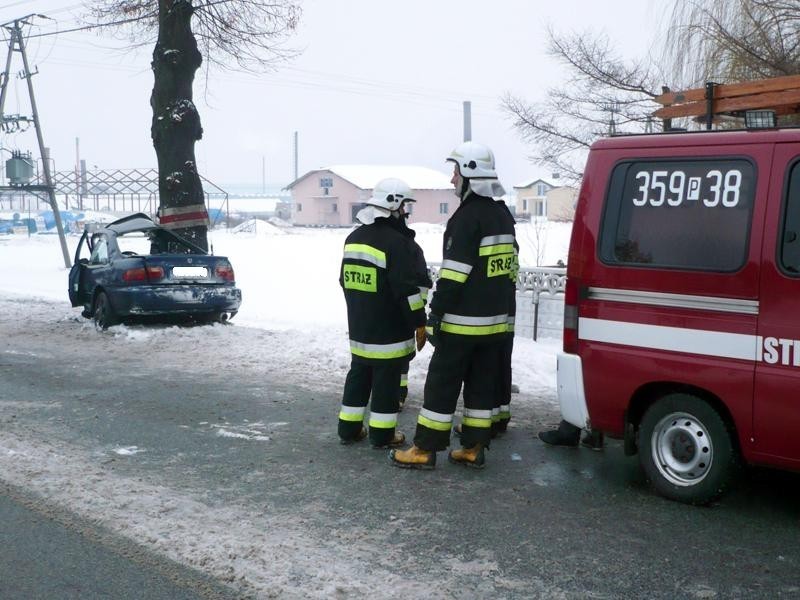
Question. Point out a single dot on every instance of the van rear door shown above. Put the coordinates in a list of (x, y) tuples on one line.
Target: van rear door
[(776, 410)]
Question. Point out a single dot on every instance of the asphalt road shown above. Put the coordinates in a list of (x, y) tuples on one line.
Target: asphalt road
[(209, 467), (49, 553)]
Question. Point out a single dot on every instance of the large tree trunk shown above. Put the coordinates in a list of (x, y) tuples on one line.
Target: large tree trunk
[(176, 123)]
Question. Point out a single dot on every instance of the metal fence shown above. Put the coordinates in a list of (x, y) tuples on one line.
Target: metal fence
[(540, 301)]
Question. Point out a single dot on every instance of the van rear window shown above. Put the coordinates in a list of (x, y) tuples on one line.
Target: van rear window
[(691, 214), (790, 236)]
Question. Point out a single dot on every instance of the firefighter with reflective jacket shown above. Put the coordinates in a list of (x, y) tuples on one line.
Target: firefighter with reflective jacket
[(424, 283), (501, 413), (385, 315), (468, 318)]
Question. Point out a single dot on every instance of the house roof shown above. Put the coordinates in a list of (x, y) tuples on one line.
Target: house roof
[(366, 176), (530, 183)]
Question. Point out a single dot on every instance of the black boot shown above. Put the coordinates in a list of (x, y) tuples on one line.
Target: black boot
[(593, 440), (566, 435)]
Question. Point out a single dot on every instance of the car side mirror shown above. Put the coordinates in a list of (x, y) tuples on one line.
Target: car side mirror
[(84, 261)]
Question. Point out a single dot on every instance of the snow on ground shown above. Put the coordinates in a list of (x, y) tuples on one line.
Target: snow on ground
[(289, 283)]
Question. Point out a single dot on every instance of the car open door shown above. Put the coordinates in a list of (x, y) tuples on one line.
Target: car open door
[(77, 272)]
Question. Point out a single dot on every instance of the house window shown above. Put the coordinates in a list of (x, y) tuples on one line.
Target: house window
[(334, 208), (540, 209), (443, 208), (524, 205), (326, 182), (541, 189), (299, 207)]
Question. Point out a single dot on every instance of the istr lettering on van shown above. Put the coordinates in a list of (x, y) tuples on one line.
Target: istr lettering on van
[(772, 350)]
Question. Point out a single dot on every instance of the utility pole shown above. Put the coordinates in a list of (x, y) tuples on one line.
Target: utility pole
[(16, 43), (78, 196)]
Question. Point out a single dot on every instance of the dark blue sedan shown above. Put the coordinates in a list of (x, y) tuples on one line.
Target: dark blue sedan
[(135, 269)]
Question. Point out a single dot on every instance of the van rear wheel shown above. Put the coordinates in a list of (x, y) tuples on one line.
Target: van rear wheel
[(686, 449)]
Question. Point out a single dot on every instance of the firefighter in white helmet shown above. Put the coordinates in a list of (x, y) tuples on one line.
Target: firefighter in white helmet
[(385, 315), (469, 316)]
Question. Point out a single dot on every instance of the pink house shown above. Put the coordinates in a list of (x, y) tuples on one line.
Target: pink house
[(332, 196)]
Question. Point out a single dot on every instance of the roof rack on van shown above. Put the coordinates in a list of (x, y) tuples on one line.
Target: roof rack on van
[(759, 102)]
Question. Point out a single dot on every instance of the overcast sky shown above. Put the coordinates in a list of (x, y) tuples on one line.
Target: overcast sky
[(377, 82)]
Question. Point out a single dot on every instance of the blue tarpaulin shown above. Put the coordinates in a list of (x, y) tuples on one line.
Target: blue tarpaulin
[(67, 216)]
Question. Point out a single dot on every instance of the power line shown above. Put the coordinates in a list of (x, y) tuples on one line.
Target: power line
[(96, 26)]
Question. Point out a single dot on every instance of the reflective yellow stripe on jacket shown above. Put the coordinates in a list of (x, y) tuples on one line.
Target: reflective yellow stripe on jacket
[(496, 244), (366, 253), (382, 351), (416, 302), (463, 325), (455, 271)]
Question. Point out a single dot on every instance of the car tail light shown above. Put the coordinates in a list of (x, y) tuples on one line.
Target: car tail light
[(137, 274), (224, 272), (571, 316), (155, 273), (143, 274)]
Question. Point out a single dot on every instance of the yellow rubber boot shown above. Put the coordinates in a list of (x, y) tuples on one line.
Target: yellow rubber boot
[(469, 457), (413, 458)]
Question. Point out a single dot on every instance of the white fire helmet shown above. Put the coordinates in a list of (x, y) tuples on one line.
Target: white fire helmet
[(390, 193), (474, 160)]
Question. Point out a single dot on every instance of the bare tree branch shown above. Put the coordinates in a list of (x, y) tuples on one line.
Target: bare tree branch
[(602, 93), (733, 40), (231, 34)]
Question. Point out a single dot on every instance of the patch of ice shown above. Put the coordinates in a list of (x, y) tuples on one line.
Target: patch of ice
[(127, 450)]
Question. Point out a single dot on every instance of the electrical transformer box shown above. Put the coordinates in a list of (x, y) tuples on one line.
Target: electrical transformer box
[(19, 169)]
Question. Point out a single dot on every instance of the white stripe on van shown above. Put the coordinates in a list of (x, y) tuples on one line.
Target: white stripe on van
[(674, 339), (731, 305)]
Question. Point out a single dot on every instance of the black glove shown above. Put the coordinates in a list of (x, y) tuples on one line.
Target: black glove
[(432, 328)]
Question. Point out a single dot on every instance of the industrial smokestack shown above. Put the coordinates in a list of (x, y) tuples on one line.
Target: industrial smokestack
[(467, 120), (296, 174)]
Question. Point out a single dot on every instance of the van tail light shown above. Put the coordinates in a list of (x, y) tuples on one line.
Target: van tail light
[(224, 272), (143, 274), (571, 316)]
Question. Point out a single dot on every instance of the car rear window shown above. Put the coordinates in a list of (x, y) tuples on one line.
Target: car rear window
[(681, 214)]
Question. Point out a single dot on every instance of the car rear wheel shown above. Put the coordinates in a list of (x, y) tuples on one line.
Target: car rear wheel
[(686, 449), (104, 316)]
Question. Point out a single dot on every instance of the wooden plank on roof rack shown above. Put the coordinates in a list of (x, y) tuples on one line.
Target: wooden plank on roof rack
[(732, 90), (777, 101)]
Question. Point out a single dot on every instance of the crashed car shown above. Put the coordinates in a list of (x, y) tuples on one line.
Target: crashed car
[(134, 269)]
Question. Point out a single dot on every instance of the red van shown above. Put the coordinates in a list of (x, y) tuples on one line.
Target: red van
[(682, 313)]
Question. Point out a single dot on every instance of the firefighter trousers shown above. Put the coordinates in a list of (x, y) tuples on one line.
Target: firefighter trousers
[(458, 360), (501, 412), (376, 380), (404, 381)]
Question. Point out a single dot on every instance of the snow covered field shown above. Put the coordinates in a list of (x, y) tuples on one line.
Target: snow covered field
[(289, 282), (290, 290)]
